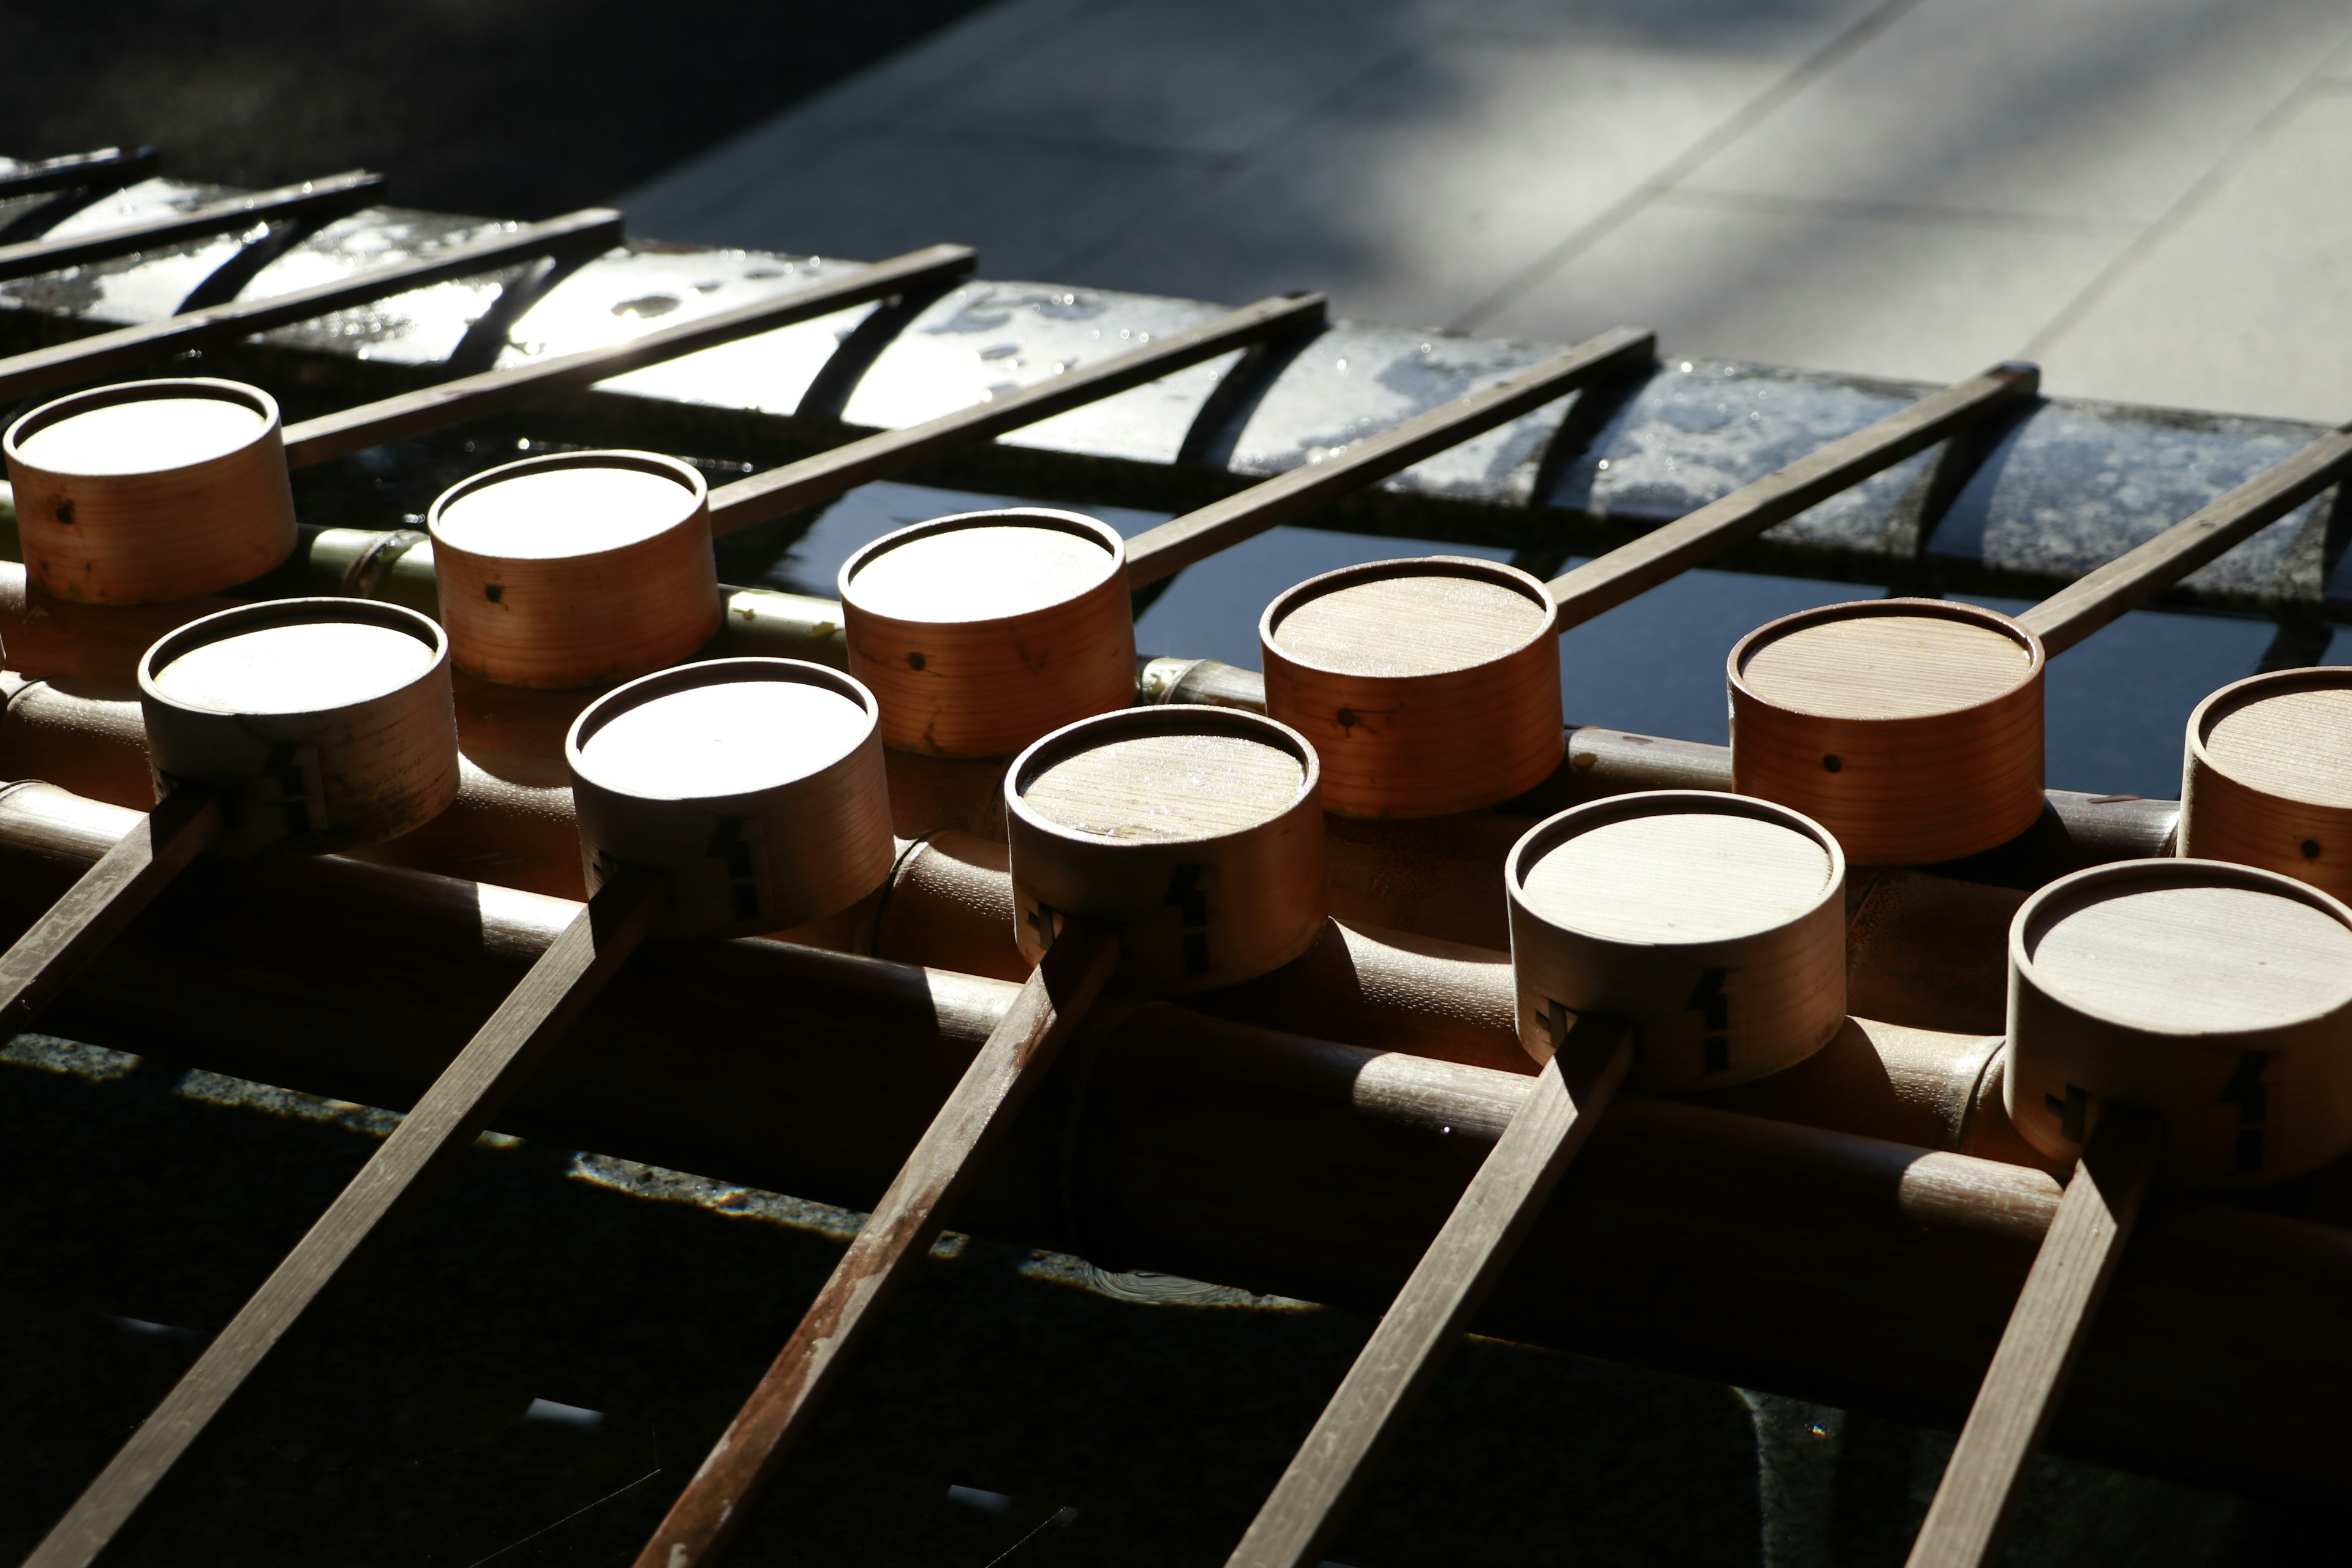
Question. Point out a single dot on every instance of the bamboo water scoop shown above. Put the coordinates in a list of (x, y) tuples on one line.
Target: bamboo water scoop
[(1912, 728), (1177, 850), (306, 725), (1688, 938), (1433, 687), (576, 569), (2266, 779), (719, 799), (2182, 1021), (980, 631), (151, 491)]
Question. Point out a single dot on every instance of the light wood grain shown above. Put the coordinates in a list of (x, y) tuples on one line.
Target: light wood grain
[(1715, 925), (1170, 548), (2041, 1345), (106, 897), (980, 631), (412, 1161), (151, 491), (1886, 667), (1166, 788), (2218, 996), (1195, 834), (755, 786), (1420, 624), (1417, 1334), (575, 569), (888, 1250), (2267, 776), (306, 754), (1428, 686), (1909, 728)]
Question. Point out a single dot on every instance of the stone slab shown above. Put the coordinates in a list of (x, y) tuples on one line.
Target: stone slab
[(2101, 108), (2254, 289), (1832, 289)]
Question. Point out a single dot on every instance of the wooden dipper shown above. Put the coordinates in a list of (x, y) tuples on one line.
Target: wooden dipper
[(2217, 996), (322, 724), (314, 724), (1427, 686), (1714, 924), (151, 491), (1909, 728), (2187, 1019), (1195, 833), (2267, 780), (575, 569), (721, 798), (983, 631), (754, 786)]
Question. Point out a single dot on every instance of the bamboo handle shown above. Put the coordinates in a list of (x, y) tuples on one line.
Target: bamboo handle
[(829, 474), (1168, 549), (93, 358), (107, 897), (1634, 568), (469, 397), (412, 1162), (2041, 1343), (1019, 1051), (107, 169), (2137, 575), (327, 197), (1428, 1316)]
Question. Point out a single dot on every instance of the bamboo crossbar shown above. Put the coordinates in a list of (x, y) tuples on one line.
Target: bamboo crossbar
[(811, 1072)]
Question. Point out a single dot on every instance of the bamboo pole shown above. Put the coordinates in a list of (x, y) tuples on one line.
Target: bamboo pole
[(1841, 1268)]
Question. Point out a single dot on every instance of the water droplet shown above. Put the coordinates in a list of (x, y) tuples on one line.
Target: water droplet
[(1685, 367), (1343, 361), (645, 306), (1604, 465)]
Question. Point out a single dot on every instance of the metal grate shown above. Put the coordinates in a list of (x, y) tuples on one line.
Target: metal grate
[(409, 350)]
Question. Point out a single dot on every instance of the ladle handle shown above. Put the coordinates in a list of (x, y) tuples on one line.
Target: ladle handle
[(108, 896), (2043, 1341), (1429, 1315), (897, 1236), (422, 1150)]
